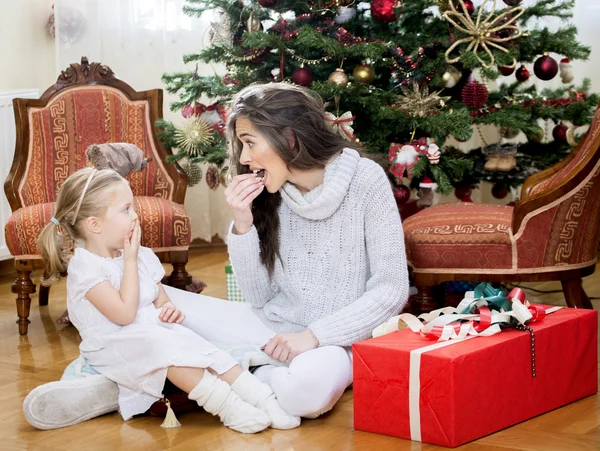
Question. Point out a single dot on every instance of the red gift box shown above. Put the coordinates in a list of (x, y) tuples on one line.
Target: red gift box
[(450, 393)]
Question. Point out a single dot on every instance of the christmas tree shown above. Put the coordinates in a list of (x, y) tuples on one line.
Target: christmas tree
[(399, 77)]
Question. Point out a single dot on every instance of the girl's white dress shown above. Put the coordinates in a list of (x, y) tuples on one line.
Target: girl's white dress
[(135, 356)]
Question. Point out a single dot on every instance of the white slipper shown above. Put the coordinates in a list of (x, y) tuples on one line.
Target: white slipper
[(65, 403)]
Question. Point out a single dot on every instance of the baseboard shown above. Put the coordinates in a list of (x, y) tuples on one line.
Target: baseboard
[(7, 267)]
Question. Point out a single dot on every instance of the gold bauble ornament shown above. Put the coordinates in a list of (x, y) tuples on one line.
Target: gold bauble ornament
[(451, 77), (224, 176), (571, 139), (364, 73), (253, 23), (509, 132), (338, 77), (537, 135)]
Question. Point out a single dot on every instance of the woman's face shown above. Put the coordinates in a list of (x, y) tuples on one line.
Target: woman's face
[(258, 155)]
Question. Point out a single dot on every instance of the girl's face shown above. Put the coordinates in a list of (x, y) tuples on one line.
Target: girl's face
[(119, 221), (258, 155)]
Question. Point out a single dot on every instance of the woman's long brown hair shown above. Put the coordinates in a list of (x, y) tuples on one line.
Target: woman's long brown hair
[(278, 111)]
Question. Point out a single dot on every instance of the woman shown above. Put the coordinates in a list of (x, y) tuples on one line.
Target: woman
[(316, 246)]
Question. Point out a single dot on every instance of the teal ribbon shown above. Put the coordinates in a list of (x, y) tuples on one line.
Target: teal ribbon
[(495, 298)]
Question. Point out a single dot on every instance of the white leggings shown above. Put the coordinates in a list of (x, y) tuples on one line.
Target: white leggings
[(314, 380)]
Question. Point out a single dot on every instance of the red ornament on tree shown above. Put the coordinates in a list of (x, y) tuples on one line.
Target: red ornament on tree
[(506, 70), (512, 2), (474, 94), (463, 193), (401, 194), (499, 191), (545, 67), (560, 133), (522, 74), (267, 3), (302, 76), (469, 5), (187, 111), (383, 10)]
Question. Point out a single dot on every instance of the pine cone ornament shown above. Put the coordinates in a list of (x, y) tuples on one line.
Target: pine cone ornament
[(194, 173)]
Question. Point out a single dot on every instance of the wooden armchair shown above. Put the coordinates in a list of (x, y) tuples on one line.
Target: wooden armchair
[(89, 105), (552, 233)]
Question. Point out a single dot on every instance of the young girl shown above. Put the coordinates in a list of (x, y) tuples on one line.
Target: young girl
[(130, 329)]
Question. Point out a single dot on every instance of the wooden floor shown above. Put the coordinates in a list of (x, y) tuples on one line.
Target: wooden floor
[(40, 357)]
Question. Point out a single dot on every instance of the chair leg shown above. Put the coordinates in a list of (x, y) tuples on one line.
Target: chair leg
[(179, 277), (575, 295), (44, 294), (23, 287), (423, 301)]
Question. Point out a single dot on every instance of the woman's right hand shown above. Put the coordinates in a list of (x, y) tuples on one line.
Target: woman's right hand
[(131, 246), (239, 195)]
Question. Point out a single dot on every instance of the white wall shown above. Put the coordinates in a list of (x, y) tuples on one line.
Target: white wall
[(26, 47)]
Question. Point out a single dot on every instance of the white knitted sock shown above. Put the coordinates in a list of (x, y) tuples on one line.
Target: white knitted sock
[(260, 395), (217, 398)]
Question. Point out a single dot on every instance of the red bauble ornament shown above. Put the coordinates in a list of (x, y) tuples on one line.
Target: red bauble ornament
[(545, 67), (383, 10), (506, 70), (463, 193), (401, 194), (187, 111), (522, 74), (302, 76), (512, 2), (267, 3), (474, 94), (560, 133), (499, 191), (469, 5)]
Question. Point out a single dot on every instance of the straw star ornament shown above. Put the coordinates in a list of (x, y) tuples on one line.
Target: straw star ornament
[(483, 33), (418, 102)]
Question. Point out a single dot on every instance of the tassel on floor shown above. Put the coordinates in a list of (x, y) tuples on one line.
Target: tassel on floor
[(170, 419)]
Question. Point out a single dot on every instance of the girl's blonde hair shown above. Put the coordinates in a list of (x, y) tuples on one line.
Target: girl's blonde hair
[(57, 242)]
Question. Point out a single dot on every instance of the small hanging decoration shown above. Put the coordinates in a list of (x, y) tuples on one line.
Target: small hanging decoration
[(345, 14), (338, 77), (483, 33), (225, 176), (220, 31), (522, 74), (401, 194), (364, 73), (474, 94), (433, 153), (386, 11), (194, 173), (545, 67), (192, 135), (451, 77), (302, 76), (212, 178), (418, 102), (566, 70), (342, 125), (559, 133), (253, 23)]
